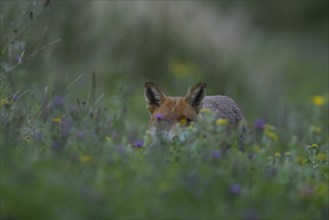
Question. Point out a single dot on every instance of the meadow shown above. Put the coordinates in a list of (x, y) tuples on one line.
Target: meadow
[(73, 143)]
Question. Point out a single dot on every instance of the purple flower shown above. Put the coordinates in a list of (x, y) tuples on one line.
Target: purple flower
[(235, 189), (66, 126), (58, 101), (215, 154), (159, 116), (15, 97), (81, 134), (138, 143), (259, 124)]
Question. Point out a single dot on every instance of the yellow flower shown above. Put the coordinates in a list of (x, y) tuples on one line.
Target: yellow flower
[(271, 135), (85, 158), (269, 127), (277, 154), (108, 138), (221, 121), (4, 101), (315, 146), (318, 100), (180, 69), (322, 156), (315, 129), (287, 154), (206, 110), (301, 160), (57, 120)]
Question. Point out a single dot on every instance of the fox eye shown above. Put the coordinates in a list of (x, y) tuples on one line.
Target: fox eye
[(185, 121), (188, 121)]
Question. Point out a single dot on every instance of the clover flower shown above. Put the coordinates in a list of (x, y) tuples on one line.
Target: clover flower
[(66, 127), (235, 189), (259, 124), (216, 154), (138, 143), (159, 116)]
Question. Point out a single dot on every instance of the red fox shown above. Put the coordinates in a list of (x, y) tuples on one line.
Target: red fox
[(167, 111)]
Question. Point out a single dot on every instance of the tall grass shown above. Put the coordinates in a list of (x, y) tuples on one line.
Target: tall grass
[(68, 152)]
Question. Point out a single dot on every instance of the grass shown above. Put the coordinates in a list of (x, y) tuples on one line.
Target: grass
[(76, 160), (69, 153)]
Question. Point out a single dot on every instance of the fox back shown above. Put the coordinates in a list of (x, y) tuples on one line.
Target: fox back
[(167, 111)]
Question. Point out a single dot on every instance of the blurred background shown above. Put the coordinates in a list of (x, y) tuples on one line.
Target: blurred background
[(271, 57)]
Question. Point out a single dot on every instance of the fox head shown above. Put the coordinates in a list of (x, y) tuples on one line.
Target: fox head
[(167, 111)]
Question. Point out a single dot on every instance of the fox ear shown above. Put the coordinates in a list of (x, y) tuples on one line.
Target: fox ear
[(195, 95), (154, 96)]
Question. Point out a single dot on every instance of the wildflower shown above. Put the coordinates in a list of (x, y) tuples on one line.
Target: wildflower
[(322, 157), (58, 101), (318, 100), (287, 154), (15, 97), (216, 154), (301, 160), (4, 101), (259, 124), (159, 116), (108, 138), (269, 127), (85, 158), (57, 120), (179, 69), (270, 134), (81, 134), (138, 143), (221, 121), (315, 129), (315, 146), (206, 110), (66, 127), (277, 154), (19, 58), (235, 189)]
